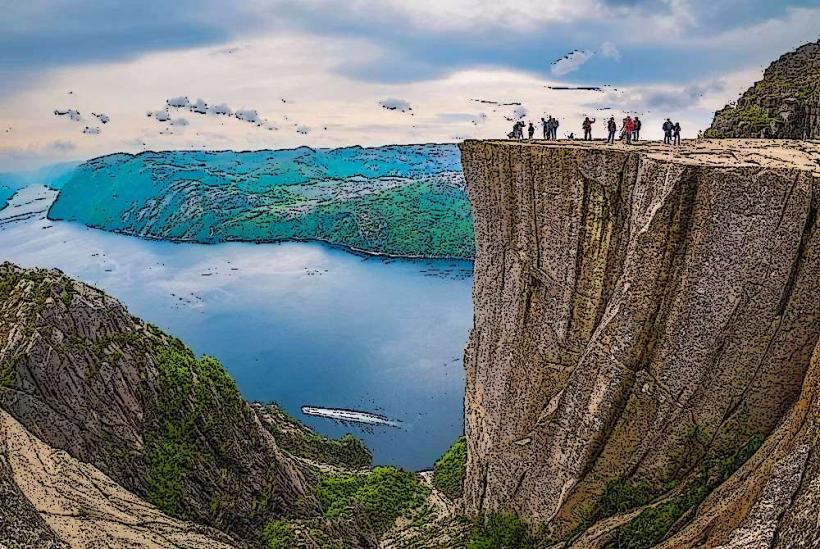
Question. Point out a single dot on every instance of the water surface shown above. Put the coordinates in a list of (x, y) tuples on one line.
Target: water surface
[(297, 323)]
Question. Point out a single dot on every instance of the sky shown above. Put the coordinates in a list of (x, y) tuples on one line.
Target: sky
[(83, 78)]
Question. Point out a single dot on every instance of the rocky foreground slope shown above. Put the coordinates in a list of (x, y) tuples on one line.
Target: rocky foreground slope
[(51, 500), (785, 104), (645, 318), (82, 375)]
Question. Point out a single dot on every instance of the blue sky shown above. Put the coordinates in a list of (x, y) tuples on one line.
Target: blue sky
[(317, 72)]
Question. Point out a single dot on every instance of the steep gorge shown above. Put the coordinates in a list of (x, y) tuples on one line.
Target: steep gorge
[(644, 318)]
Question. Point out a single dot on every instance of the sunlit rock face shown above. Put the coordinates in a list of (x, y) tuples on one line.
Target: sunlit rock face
[(637, 311)]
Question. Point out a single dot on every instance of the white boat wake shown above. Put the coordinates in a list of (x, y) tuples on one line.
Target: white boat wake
[(349, 416)]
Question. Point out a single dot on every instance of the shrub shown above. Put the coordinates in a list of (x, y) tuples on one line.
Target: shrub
[(278, 534), (621, 495), (448, 471), (501, 531), (650, 527), (382, 495)]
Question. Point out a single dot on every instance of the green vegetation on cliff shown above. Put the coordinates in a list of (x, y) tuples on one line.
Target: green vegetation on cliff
[(501, 530), (189, 390), (382, 495), (399, 200), (295, 438), (448, 471)]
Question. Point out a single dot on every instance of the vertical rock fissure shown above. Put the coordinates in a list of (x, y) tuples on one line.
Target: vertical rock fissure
[(579, 252), (799, 257)]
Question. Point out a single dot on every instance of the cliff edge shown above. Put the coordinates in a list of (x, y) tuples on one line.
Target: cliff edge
[(644, 318)]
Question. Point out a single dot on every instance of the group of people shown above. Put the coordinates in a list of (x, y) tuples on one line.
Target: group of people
[(630, 130), (549, 126)]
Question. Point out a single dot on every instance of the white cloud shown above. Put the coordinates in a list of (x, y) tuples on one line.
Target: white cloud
[(61, 145), (72, 114), (199, 107), (247, 115), (159, 116), (178, 102), (222, 109), (571, 62), (610, 50), (393, 104), (181, 122)]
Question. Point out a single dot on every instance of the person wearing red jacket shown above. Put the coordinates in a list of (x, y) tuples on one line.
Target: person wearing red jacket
[(627, 129)]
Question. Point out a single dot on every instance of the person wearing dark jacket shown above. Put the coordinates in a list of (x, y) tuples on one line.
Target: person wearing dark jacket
[(676, 133), (545, 126), (531, 130), (636, 133), (587, 126), (611, 127), (667, 131)]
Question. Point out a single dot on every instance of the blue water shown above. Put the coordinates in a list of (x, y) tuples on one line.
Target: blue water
[(296, 323)]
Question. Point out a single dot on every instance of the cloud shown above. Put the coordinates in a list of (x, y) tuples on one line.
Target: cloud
[(89, 130), (159, 116), (198, 107), (658, 98), (72, 114), (680, 99), (61, 145), (572, 61), (180, 102), (610, 51), (393, 104), (102, 117), (248, 115), (222, 109)]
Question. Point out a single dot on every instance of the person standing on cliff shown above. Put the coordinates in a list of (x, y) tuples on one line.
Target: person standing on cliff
[(676, 133), (636, 134), (554, 126), (667, 132), (587, 126), (612, 127), (531, 130), (545, 127), (627, 129)]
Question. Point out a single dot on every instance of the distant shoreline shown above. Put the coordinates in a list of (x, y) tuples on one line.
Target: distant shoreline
[(344, 247)]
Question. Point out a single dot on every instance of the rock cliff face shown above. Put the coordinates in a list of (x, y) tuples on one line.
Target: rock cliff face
[(50, 500), (644, 317), (82, 375), (785, 104)]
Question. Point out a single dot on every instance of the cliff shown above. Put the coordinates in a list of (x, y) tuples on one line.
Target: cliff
[(644, 318), (50, 500), (785, 104), (82, 375)]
